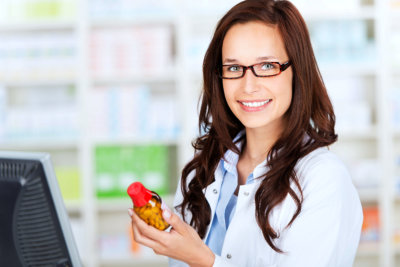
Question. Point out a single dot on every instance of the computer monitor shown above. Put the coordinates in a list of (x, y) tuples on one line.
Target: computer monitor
[(34, 225)]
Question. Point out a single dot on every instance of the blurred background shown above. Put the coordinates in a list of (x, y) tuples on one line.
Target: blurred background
[(110, 88)]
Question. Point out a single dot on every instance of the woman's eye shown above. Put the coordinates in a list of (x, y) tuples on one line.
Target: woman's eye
[(267, 66), (234, 68)]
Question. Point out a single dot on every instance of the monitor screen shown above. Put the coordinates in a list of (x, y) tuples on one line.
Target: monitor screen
[(34, 225)]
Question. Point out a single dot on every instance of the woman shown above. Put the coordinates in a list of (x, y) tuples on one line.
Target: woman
[(262, 189)]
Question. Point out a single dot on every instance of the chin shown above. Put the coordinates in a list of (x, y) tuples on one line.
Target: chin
[(255, 125)]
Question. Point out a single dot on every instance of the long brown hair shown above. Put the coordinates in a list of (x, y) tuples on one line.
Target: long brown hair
[(310, 113)]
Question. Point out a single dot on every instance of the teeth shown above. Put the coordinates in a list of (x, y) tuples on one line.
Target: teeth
[(255, 104)]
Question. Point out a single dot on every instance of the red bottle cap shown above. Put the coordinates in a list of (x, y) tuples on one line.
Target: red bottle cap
[(139, 194)]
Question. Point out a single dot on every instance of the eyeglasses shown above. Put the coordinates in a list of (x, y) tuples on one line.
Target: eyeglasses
[(263, 69)]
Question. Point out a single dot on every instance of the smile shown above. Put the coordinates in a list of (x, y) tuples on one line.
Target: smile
[(255, 104)]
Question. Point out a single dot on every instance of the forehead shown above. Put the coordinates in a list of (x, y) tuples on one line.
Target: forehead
[(246, 42)]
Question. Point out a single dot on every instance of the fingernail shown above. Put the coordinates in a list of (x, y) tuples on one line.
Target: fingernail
[(130, 211), (166, 214)]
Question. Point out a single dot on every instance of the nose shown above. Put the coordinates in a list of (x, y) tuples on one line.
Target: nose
[(249, 82)]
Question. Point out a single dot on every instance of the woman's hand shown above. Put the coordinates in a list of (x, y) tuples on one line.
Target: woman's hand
[(181, 243)]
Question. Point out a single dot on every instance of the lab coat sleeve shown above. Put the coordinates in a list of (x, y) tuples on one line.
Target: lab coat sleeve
[(175, 263), (327, 231)]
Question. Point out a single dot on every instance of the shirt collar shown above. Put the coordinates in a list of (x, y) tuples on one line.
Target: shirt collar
[(231, 158)]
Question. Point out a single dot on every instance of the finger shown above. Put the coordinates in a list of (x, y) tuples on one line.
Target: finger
[(146, 230), (141, 239), (177, 223), (137, 228)]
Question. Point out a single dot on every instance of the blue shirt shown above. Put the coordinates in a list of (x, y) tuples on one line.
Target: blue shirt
[(226, 201)]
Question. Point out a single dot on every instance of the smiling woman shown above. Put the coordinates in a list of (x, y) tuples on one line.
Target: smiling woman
[(262, 189)]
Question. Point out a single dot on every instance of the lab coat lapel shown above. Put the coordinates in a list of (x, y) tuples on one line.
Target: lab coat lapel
[(211, 193)]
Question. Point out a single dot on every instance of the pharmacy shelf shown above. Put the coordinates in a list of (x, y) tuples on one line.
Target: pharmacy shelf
[(38, 82), (128, 141), (396, 71), (41, 144), (169, 77), (138, 21), (113, 205), (364, 13), (368, 133), (73, 206), (368, 249), (397, 133), (397, 249), (368, 195), (350, 69), (38, 26), (206, 9)]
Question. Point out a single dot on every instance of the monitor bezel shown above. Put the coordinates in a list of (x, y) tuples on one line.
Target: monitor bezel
[(61, 211)]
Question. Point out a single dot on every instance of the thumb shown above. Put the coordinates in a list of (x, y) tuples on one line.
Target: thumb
[(174, 220)]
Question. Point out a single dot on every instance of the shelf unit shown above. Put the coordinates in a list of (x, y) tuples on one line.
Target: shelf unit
[(193, 26), (38, 26)]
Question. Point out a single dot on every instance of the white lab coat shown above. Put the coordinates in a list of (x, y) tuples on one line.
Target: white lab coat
[(325, 234)]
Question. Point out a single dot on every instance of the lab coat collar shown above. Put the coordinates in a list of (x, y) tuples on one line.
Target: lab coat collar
[(230, 159)]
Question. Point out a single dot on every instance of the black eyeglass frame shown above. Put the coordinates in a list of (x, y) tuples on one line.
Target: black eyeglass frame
[(282, 67)]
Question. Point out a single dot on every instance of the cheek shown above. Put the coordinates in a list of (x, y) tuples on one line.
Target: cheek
[(225, 86), (289, 95), (228, 93), (286, 92), (286, 98)]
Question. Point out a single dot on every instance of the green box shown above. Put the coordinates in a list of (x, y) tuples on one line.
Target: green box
[(116, 167)]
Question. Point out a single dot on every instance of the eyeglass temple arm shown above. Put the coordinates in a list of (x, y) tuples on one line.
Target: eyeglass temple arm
[(286, 65)]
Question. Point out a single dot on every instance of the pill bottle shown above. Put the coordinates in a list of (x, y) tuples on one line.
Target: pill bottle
[(147, 205)]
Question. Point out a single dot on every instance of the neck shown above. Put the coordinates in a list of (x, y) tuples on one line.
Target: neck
[(258, 144)]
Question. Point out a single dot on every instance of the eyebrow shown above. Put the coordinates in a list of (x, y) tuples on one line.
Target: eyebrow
[(232, 60)]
